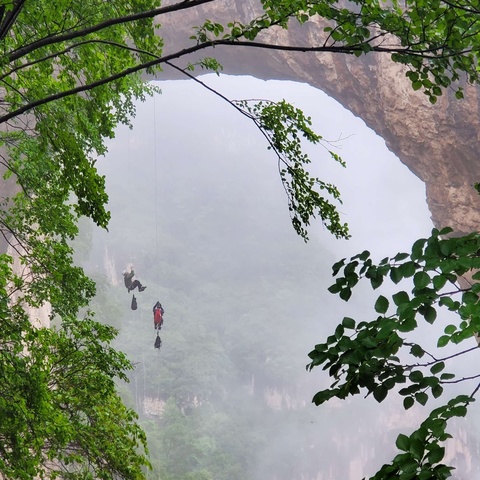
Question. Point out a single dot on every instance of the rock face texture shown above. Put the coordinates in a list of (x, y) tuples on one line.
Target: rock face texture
[(438, 143)]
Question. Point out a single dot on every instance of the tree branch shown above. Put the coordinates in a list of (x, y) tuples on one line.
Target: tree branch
[(10, 18), (186, 51), (459, 380), (348, 49), (186, 4)]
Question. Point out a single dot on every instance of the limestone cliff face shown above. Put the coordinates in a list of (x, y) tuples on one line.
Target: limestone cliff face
[(439, 143)]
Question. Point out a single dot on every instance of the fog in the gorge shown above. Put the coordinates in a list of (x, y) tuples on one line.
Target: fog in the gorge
[(199, 209)]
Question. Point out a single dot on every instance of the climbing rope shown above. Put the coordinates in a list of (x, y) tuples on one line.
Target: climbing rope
[(156, 186), (158, 340)]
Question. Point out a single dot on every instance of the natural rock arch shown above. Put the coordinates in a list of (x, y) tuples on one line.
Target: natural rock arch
[(438, 143)]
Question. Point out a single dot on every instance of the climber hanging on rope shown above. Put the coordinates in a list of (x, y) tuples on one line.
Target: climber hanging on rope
[(130, 283), (158, 312)]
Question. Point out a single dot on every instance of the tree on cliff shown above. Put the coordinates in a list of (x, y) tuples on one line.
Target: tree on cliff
[(70, 73)]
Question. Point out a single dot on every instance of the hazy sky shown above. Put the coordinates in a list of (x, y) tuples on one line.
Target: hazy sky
[(384, 203)]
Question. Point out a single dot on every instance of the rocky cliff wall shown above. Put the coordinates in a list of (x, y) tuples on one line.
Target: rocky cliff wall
[(438, 143)]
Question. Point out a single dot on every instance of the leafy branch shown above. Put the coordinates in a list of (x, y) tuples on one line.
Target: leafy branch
[(370, 355), (284, 126)]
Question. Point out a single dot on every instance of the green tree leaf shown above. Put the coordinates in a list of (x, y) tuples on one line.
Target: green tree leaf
[(417, 351), (408, 402), (437, 368), (403, 443), (421, 397), (381, 305), (421, 280), (443, 340), (380, 393), (401, 298), (436, 455), (349, 323)]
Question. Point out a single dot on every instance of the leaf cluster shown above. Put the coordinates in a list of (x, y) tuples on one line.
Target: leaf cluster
[(52, 423), (437, 41), (284, 127), (371, 355), (421, 451), (54, 48)]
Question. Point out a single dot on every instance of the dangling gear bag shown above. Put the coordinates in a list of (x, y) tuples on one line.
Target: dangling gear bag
[(134, 303)]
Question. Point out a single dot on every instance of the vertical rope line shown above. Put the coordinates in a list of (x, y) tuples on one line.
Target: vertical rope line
[(155, 180), (129, 258)]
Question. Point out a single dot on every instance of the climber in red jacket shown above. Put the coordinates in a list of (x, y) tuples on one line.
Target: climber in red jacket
[(158, 312)]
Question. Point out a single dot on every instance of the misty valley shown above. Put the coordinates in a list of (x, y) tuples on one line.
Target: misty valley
[(198, 208)]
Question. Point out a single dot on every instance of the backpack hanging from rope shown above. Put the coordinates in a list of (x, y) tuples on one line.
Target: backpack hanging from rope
[(133, 306), (158, 342)]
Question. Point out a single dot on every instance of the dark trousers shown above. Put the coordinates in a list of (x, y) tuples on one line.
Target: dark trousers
[(134, 285)]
